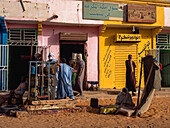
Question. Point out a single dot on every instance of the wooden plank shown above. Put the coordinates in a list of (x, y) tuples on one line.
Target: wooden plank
[(46, 107), (45, 102), (34, 108)]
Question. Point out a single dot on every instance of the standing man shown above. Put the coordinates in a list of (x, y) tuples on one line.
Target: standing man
[(64, 88), (80, 74), (51, 58), (130, 75)]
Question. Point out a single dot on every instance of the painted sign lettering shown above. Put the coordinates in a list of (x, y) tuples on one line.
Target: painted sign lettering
[(144, 48), (102, 11), (128, 37), (141, 13)]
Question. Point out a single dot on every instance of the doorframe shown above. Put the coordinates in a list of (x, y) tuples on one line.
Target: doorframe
[(4, 66), (167, 49), (85, 85)]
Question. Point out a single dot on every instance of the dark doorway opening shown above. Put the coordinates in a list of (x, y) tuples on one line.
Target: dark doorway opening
[(19, 57), (66, 50)]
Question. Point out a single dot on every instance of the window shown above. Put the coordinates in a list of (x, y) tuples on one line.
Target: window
[(22, 36), (162, 38)]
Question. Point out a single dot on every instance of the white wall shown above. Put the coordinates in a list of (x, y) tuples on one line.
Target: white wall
[(68, 11), (167, 17)]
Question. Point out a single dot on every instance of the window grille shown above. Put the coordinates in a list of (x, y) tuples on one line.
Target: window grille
[(22, 36), (162, 38)]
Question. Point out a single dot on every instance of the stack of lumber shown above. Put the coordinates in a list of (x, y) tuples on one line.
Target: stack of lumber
[(50, 104)]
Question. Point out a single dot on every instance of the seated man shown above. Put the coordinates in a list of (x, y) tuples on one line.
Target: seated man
[(124, 98), (17, 93), (124, 103)]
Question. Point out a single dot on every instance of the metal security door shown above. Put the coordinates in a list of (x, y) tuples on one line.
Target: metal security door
[(165, 60), (121, 55), (3, 67)]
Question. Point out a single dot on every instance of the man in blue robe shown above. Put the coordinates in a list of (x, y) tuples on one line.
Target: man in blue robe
[(64, 88)]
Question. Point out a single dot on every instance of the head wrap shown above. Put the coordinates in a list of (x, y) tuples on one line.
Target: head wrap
[(51, 56), (125, 90)]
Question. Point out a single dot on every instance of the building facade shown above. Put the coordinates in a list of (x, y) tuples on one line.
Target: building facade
[(163, 48), (101, 31), (56, 25), (113, 54)]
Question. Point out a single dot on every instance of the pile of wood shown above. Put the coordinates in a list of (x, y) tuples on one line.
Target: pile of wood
[(50, 104), (19, 114)]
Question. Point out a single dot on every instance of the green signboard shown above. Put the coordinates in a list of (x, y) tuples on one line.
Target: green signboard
[(102, 11)]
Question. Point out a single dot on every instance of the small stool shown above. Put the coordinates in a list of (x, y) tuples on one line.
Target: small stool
[(92, 83)]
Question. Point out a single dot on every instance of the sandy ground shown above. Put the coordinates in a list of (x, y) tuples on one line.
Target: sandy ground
[(158, 116)]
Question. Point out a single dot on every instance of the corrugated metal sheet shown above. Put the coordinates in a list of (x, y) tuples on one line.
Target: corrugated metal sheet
[(121, 55)]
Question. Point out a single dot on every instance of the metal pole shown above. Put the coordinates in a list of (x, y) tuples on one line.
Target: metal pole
[(54, 81), (31, 47), (140, 82), (35, 81), (2, 67), (5, 55), (29, 81), (7, 64), (22, 5), (42, 78), (0, 56), (2, 79), (48, 76)]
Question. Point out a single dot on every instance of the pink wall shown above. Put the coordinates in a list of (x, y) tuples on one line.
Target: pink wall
[(15, 25), (51, 37)]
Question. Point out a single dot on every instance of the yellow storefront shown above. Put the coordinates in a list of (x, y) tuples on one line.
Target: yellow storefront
[(113, 53)]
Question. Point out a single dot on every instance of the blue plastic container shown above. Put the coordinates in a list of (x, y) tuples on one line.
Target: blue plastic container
[(33, 70)]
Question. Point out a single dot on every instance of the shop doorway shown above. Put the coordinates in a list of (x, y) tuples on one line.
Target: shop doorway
[(19, 57), (66, 50), (165, 60)]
